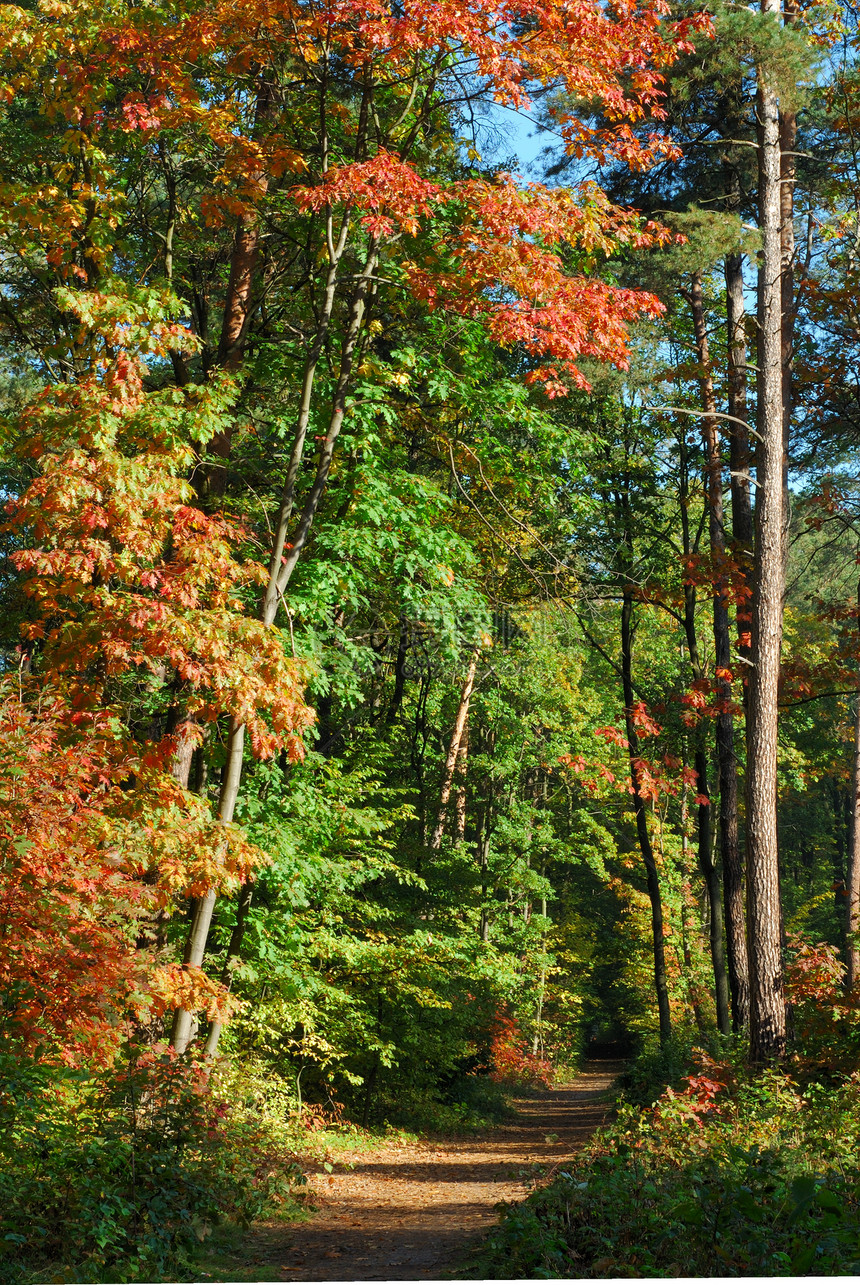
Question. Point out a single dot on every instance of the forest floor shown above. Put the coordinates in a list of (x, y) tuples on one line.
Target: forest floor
[(412, 1211)]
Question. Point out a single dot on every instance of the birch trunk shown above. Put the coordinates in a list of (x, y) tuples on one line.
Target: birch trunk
[(454, 751)]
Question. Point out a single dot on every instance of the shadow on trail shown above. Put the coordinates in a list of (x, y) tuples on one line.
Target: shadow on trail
[(410, 1212)]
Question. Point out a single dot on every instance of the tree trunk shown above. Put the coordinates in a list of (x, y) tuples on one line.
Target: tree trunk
[(686, 892), (195, 946), (399, 673), (787, 172), (852, 909), (454, 751), (730, 854), (483, 837), (767, 999), (280, 571), (239, 307), (460, 803), (651, 873), (712, 883), (246, 893)]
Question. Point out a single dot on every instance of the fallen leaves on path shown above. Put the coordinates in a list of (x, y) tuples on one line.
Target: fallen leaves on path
[(410, 1212)]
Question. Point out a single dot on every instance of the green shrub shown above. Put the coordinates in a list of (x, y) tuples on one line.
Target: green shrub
[(121, 1179), (730, 1175)]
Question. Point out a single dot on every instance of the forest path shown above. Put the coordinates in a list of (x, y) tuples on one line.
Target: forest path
[(411, 1211)]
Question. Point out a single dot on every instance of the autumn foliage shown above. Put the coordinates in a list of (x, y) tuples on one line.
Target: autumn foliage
[(512, 1062)]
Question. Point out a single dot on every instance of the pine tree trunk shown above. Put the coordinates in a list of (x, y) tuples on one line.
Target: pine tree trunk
[(767, 999)]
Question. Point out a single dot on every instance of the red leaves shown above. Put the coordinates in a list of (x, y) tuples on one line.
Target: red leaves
[(96, 835), (392, 194), (512, 1062), (613, 735), (507, 270), (94, 840), (814, 972), (139, 115), (67, 960), (642, 720)]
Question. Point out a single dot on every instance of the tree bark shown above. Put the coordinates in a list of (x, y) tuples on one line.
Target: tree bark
[(454, 751), (852, 909), (246, 893), (195, 946), (730, 854), (767, 999), (484, 864), (239, 307), (712, 883), (787, 173), (651, 873), (686, 899), (460, 803)]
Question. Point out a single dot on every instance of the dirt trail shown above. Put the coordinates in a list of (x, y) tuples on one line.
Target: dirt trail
[(409, 1212)]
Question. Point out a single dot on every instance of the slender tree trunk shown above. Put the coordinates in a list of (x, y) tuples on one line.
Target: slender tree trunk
[(767, 999), (730, 854), (281, 567), (460, 803), (787, 173), (484, 840), (454, 751), (712, 883), (740, 455), (651, 873), (840, 875), (484, 862), (399, 672), (280, 571), (243, 907), (852, 910), (686, 898), (195, 946), (239, 308)]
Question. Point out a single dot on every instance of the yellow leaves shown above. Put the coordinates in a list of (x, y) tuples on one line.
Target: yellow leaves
[(185, 986)]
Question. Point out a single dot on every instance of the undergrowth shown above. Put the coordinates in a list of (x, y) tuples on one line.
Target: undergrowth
[(728, 1173), (122, 1178)]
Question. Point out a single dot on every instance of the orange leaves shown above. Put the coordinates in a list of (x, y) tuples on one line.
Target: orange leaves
[(508, 270), (132, 81), (391, 193), (95, 838), (67, 960), (127, 575), (181, 985)]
